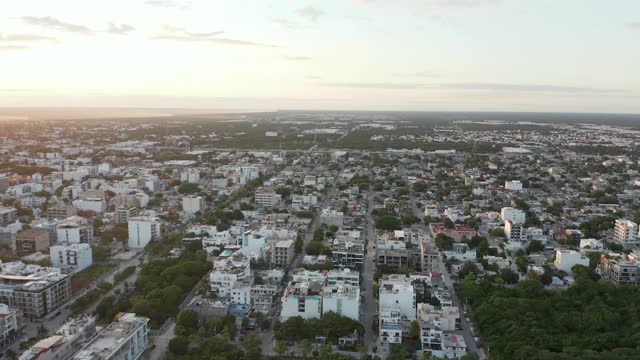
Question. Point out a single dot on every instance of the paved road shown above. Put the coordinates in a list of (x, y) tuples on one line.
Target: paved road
[(162, 342), (369, 306)]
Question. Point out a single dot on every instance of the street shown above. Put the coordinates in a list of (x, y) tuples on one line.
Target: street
[(369, 306)]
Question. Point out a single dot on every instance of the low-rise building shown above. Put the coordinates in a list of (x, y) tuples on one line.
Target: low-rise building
[(192, 204), (398, 289), (620, 271), (8, 324), (302, 298), (567, 259), (75, 230), (342, 299), (67, 340), (30, 241)]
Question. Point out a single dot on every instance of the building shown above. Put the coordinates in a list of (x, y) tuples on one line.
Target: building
[(190, 176), (332, 217), (344, 276), (124, 213), (267, 197), (398, 289), (389, 326), (392, 253), (8, 215), (75, 230), (342, 299), (192, 204), (515, 232), (348, 254), (514, 215), (93, 204), (619, 272), (282, 253), (302, 298), (8, 324), (65, 342), (143, 230), (514, 185), (228, 272), (567, 259), (429, 257), (37, 291), (75, 257), (625, 232), (30, 241), (124, 339), (61, 212)]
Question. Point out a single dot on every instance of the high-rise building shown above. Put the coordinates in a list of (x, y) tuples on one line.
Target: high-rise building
[(8, 215), (625, 232), (142, 230), (124, 213), (71, 256), (192, 204), (282, 253), (75, 230)]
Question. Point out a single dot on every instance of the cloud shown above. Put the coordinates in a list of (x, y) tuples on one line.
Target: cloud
[(296, 58), (473, 86), (13, 47), (55, 24), (310, 13), (170, 4), (25, 38), (120, 29), (634, 25), (421, 74), (180, 34)]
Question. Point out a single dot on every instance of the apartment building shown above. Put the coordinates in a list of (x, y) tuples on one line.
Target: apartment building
[(143, 230), (67, 340), (282, 253), (345, 276), (514, 215), (73, 257), (398, 289), (8, 324), (567, 259), (302, 298), (348, 254), (429, 257), (192, 204), (620, 271), (30, 241), (37, 291), (625, 232), (332, 217), (515, 232), (267, 197), (75, 230), (8, 215), (124, 213), (389, 326), (342, 299), (61, 212), (124, 339)]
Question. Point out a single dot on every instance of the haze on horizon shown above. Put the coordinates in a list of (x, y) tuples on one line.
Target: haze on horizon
[(466, 55)]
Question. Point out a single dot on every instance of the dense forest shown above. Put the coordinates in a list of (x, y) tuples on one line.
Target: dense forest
[(590, 320)]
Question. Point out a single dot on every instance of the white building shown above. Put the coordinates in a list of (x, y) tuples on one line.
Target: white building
[(389, 325), (65, 342), (190, 176), (625, 232), (513, 185), (192, 204), (74, 230), (302, 299), (75, 256), (254, 244), (342, 299), (566, 259), (8, 323), (142, 230), (398, 289), (344, 276), (124, 339), (514, 215), (229, 274)]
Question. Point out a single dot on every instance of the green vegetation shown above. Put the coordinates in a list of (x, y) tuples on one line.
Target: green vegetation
[(125, 273), (590, 320), (389, 223), (332, 326), (92, 272)]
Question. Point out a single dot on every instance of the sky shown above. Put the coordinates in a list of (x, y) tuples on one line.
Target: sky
[(467, 55)]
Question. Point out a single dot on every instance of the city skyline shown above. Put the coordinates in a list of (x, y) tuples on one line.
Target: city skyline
[(467, 55)]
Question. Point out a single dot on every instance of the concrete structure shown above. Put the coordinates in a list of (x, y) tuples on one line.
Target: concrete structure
[(75, 257), (190, 176), (566, 259), (389, 327), (625, 232), (514, 215), (282, 253), (344, 276), (30, 241), (143, 230), (228, 273), (192, 204), (429, 257), (74, 230), (124, 339), (348, 254), (342, 299), (302, 298), (95, 204), (398, 289), (37, 291)]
